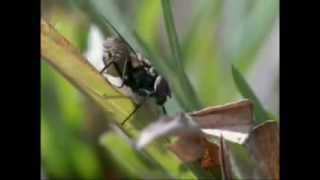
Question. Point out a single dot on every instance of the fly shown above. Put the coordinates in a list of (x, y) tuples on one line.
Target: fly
[(135, 71)]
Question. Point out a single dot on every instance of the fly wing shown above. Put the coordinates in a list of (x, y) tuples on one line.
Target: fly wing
[(110, 26), (134, 56)]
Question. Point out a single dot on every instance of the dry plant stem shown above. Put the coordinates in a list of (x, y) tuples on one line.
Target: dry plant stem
[(68, 61)]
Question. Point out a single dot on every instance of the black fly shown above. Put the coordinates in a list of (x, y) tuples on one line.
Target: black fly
[(135, 71)]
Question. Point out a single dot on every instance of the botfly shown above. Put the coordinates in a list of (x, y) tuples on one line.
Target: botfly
[(136, 72)]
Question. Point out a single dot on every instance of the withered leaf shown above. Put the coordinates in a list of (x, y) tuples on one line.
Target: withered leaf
[(188, 147), (228, 116), (191, 147), (263, 144), (192, 144), (233, 120), (210, 158)]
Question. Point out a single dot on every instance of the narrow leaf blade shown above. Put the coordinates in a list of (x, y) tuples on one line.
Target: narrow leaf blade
[(185, 85), (261, 114)]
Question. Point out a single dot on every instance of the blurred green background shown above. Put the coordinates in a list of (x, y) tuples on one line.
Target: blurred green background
[(212, 34)]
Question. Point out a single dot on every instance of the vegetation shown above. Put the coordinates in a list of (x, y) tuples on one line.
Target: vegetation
[(81, 111)]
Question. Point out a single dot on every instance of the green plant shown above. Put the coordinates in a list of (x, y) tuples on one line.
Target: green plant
[(203, 90)]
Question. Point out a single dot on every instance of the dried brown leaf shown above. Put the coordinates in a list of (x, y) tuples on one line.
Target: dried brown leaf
[(233, 120), (210, 158), (225, 159), (263, 144), (191, 147), (188, 147), (228, 116), (192, 144)]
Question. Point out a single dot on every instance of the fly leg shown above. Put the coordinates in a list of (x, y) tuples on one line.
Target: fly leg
[(135, 110), (123, 76), (118, 71), (164, 110), (106, 67)]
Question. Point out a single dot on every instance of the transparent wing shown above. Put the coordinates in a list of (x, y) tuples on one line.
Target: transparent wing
[(115, 31)]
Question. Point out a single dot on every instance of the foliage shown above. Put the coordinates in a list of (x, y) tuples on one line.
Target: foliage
[(78, 105)]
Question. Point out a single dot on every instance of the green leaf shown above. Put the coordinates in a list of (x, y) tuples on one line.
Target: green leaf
[(237, 162), (185, 85), (248, 24), (74, 28), (100, 10), (261, 114), (132, 162), (147, 21), (171, 32), (56, 162)]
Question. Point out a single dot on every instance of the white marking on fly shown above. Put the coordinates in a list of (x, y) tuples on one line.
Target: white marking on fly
[(139, 56), (115, 81), (156, 83)]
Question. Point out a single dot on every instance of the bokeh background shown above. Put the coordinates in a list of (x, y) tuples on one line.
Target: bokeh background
[(212, 33)]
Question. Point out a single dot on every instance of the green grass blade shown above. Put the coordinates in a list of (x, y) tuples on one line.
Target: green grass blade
[(171, 32), (248, 30), (147, 21), (185, 85), (100, 10), (260, 113), (132, 163)]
